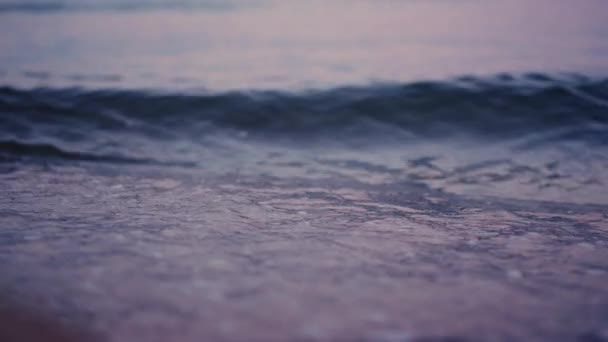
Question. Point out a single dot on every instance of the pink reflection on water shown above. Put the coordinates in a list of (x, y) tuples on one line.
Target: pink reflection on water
[(294, 43)]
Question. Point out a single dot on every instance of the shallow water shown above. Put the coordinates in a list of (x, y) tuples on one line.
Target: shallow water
[(327, 171), (156, 254)]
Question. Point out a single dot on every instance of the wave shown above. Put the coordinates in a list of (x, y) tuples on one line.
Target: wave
[(574, 107), (12, 148)]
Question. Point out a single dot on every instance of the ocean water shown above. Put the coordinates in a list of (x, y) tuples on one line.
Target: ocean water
[(390, 170)]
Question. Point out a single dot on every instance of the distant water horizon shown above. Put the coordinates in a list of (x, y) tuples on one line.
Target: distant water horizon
[(255, 44)]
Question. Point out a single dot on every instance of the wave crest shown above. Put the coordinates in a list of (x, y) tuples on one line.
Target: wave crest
[(493, 108)]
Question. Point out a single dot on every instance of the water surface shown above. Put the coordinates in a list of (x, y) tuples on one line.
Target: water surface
[(320, 171)]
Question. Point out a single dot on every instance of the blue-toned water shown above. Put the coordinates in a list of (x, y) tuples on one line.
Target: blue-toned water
[(323, 170)]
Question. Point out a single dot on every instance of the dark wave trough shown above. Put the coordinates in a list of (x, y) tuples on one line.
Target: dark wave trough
[(489, 108)]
